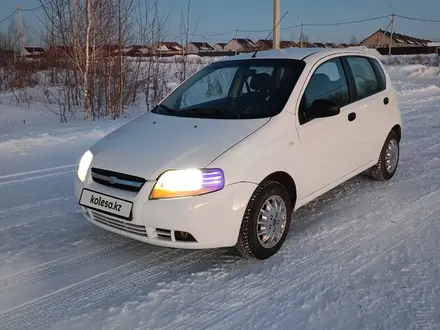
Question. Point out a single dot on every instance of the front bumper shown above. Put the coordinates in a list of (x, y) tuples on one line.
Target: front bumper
[(213, 220)]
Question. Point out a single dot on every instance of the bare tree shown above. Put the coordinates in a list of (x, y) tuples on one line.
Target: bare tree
[(353, 40), (92, 37), (187, 31)]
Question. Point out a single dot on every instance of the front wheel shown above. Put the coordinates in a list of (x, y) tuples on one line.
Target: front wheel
[(388, 160), (266, 221)]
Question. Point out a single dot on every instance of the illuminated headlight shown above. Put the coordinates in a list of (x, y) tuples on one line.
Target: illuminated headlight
[(190, 182), (84, 165)]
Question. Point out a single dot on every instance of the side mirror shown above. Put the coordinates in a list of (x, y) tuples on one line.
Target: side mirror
[(323, 108)]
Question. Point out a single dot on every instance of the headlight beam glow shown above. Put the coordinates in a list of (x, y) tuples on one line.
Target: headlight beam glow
[(84, 165), (188, 182)]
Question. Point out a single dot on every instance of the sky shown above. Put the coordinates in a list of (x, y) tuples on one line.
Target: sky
[(218, 16)]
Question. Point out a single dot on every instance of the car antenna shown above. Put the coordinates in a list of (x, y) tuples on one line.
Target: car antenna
[(255, 54)]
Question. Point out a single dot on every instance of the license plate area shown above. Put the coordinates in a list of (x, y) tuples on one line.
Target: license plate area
[(106, 204)]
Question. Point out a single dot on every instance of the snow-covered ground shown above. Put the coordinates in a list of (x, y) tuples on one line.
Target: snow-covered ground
[(364, 256)]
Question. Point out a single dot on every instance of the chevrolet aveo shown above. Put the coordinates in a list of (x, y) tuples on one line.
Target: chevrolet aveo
[(228, 155)]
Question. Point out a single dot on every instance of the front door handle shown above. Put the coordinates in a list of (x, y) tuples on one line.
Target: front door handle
[(386, 100), (352, 116)]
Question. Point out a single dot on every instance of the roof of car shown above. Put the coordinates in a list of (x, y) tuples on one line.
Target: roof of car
[(300, 53)]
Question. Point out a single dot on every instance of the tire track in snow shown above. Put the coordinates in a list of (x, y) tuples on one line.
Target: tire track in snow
[(37, 177), (65, 264), (38, 206), (311, 267), (49, 169), (383, 246), (17, 216), (53, 307)]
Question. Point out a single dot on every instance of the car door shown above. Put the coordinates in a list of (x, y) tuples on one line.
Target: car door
[(325, 145), (371, 101)]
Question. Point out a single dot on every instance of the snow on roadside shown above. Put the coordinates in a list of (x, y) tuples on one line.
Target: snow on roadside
[(390, 280), (426, 72), (364, 255), (415, 78)]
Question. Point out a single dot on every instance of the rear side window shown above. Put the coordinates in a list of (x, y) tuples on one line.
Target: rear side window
[(365, 78), (380, 74)]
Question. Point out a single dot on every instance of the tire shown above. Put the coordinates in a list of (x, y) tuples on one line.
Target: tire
[(379, 171), (249, 244)]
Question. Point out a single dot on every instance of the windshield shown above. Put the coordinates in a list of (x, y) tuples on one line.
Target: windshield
[(238, 89)]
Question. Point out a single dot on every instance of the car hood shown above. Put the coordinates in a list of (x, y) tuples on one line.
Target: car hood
[(152, 143)]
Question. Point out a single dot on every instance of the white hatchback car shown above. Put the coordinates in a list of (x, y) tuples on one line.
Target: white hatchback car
[(227, 156)]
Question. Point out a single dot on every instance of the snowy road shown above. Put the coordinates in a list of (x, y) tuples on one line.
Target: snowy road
[(365, 255)]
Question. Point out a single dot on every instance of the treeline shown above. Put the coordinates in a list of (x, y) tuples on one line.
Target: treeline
[(79, 74)]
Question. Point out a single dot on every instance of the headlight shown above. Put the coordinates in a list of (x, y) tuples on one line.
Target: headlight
[(190, 182), (84, 165)]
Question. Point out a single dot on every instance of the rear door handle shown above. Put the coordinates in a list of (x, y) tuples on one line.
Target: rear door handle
[(352, 116), (386, 100)]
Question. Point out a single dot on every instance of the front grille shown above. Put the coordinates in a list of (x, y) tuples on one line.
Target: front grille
[(117, 180), (119, 224)]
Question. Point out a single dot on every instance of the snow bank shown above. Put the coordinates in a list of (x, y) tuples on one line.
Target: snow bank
[(426, 72), (54, 138), (400, 72), (425, 59), (407, 88)]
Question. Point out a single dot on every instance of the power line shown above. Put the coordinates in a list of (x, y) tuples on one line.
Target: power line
[(418, 19), (32, 9), (3, 20), (214, 34), (299, 25), (247, 31), (349, 22), (15, 11), (291, 27)]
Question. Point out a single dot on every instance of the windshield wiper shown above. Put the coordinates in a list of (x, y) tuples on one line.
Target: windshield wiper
[(225, 113), (167, 108)]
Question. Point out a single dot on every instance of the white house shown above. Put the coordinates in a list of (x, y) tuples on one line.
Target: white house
[(220, 46), (196, 47), (240, 45), (32, 51)]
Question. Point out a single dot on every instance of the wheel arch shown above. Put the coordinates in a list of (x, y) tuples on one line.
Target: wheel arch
[(398, 129), (287, 181)]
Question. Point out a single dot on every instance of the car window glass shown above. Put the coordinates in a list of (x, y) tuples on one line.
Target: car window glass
[(328, 82), (380, 74), (213, 86), (217, 90), (364, 76), (247, 88)]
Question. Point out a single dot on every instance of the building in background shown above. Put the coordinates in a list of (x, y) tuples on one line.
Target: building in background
[(382, 39), (240, 45), (197, 47), (32, 51), (166, 47), (220, 46), (268, 44)]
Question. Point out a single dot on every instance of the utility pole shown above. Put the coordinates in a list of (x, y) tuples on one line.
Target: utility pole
[(236, 38), (21, 29), (391, 35), (302, 35), (276, 25)]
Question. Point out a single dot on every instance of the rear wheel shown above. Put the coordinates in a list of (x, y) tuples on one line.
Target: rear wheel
[(266, 221), (388, 160)]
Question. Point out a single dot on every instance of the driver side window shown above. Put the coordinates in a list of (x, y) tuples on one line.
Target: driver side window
[(328, 82)]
